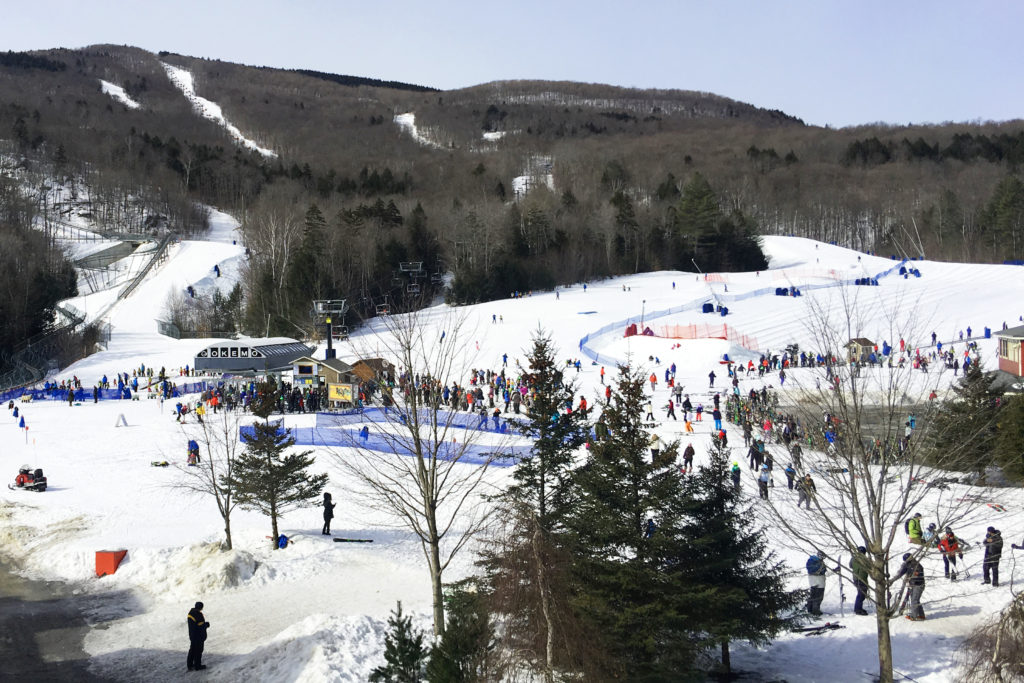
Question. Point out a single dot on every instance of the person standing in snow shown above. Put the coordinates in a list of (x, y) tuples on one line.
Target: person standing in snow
[(816, 579), (762, 482), (328, 514), (993, 552), (671, 410), (949, 546), (805, 491), (688, 458), (650, 411), (711, 377), (197, 627), (735, 474), (913, 528), (914, 572), (859, 569), (655, 446)]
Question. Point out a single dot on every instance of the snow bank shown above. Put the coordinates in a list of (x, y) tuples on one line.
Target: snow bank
[(118, 93), (318, 648)]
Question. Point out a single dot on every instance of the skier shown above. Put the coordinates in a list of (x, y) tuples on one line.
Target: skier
[(993, 552), (735, 473), (790, 476), (711, 377), (328, 514), (816, 579), (859, 569), (716, 414), (671, 408), (650, 411), (197, 627), (950, 548), (914, 572)]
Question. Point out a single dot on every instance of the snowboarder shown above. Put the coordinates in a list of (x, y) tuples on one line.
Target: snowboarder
[(914, 572), (197, 627), (950, 548), (859, 569), (816, 579), (328, 514), (993, 552)]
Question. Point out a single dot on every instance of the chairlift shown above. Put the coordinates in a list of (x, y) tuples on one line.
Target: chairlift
[(383, 309), (339, 332), (396, 282), (413, 288), (410, 266), (437, 278)]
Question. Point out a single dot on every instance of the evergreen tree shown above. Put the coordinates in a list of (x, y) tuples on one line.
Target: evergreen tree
[(626, 529), (737, 586), (464, 653), (1009, 440), (525, 566), (403, 652), (968, 417), (267, 480), (542, 476)]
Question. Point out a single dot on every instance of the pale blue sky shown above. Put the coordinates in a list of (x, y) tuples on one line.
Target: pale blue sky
[(837, 63)]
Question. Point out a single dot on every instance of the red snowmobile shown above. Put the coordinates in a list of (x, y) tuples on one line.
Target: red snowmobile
[(28, 480)]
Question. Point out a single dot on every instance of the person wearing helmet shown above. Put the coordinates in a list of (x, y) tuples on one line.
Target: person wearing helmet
[(993, 553), (816, 577), (913, 529), (762, 482), (735, 473), (805, 491), (24, 475), (949, 546), (914, 572)]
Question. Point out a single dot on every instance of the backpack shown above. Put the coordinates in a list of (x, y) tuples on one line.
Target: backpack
[(906, 527), (282, 541), (814, 565)]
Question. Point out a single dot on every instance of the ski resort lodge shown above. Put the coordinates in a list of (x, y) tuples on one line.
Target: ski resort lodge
[(250, 356), (1009, 350)]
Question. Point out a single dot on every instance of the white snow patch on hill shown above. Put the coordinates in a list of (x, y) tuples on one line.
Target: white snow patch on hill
[(209, 109), (118, 93), (538, 172), (407, 122)]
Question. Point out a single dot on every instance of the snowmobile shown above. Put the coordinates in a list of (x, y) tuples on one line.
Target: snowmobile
[(28, 480)]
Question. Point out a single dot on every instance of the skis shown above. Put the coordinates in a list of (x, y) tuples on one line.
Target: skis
[(159, 463), (818, 630), (353, 540)]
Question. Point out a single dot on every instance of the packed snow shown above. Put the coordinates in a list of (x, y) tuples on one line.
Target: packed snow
[(317, 610), (407, 123), (182, 78), (118, 93)]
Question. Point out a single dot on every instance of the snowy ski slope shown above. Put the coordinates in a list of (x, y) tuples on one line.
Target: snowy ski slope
[(317, 611)]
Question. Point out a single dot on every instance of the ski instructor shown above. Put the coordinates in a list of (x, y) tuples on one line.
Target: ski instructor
[(197, 626)]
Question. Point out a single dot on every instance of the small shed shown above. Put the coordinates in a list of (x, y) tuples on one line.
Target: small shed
[(334, 374), (370, 369), (859, 349), (1010, 350)]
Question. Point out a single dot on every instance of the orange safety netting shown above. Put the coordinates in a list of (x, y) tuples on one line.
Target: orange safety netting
[(705, 331)]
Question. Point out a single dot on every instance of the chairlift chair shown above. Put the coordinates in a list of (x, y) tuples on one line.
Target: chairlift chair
[(383, 309), (413, 288)]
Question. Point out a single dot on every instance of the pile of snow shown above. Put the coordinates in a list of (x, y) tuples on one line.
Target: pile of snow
[(209, 109), (118, 93)]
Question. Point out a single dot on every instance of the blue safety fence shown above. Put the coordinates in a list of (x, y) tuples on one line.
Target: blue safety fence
[(85, 393), (349, 433), (700, 304)]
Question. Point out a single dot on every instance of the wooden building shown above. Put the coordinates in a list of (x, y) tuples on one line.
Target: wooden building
[(1010, 350)]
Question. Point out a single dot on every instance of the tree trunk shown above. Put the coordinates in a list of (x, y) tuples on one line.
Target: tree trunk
[(549, 642), (434, 561), (273, 525), (726, 661), (227, 533), (884, 641)]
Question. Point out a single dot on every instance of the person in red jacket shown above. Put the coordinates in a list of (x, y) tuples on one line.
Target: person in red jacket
[(949, 546)]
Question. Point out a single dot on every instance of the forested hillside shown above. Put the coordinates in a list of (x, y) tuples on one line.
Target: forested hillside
[(508, 186)]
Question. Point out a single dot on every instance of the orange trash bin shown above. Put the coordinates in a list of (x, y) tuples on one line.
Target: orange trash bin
[(107, 561)]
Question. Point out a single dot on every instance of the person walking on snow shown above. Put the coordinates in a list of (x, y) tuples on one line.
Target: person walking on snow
[(328, 514), (650, 411), (805, 491), (914, 572), (913, 528), (197, 627), (762, 482), (688, 458), (711, 376), (671, 407)]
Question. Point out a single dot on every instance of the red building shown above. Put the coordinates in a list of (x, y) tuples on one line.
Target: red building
[(1009, 350)]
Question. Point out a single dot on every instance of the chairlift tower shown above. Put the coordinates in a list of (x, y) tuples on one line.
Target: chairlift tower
[(326, 312)]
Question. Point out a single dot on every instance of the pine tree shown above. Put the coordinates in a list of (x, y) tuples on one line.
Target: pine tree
[(626, 528), (969, 417), (737, 586), (464, 653), (525, 565), (1009, 441), (403, 651), (267, 480)]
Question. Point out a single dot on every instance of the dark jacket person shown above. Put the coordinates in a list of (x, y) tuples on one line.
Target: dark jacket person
[(197, 626)]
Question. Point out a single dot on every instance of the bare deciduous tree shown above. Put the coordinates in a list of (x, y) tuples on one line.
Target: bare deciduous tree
[(871, 476), (422, 464), (211, 476)]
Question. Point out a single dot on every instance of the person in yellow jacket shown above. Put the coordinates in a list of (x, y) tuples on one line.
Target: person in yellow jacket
[(200, 411), (914, 529)]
